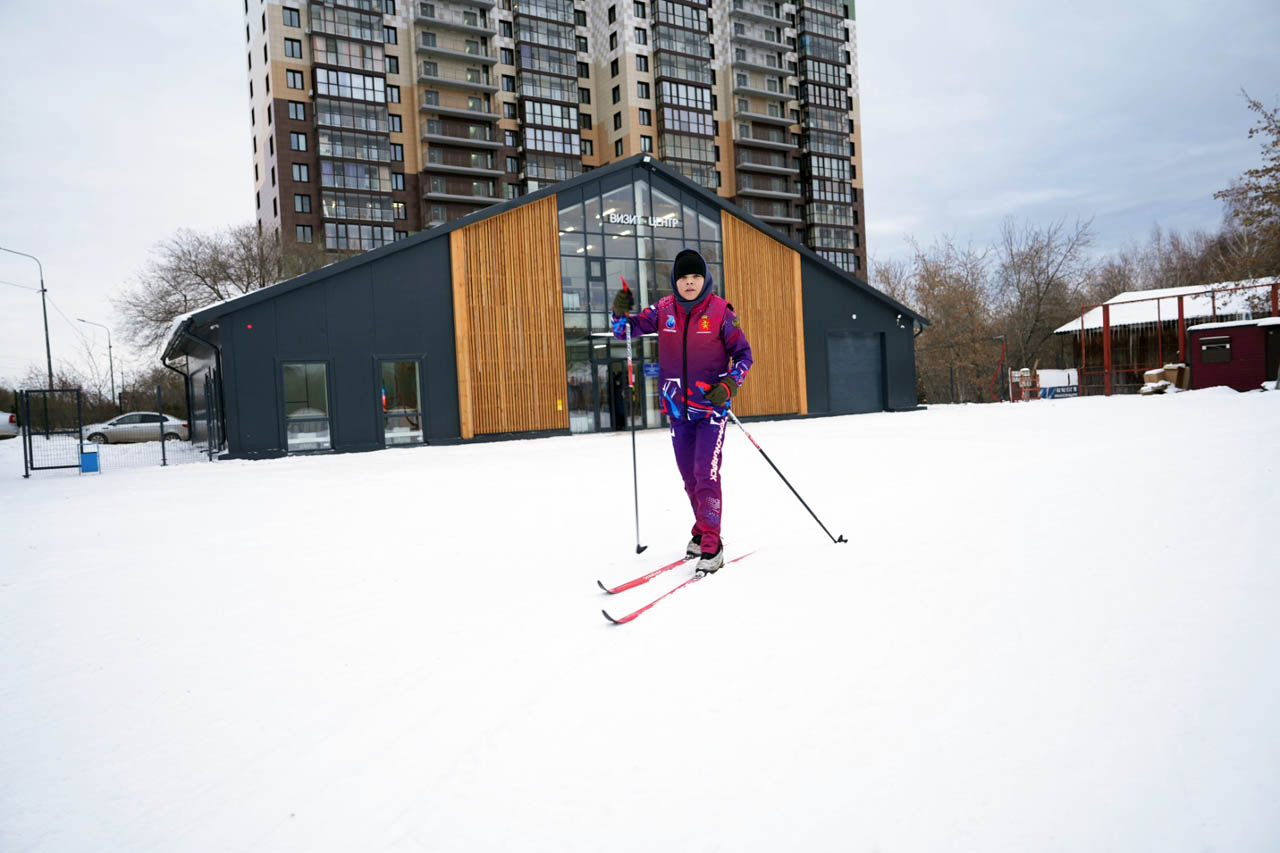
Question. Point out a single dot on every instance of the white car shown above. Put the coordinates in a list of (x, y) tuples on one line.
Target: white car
[(137, 426), (8, 425)]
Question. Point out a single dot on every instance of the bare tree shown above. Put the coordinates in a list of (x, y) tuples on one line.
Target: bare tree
[(894, 279), (1253, 200), (190, 270), (1041, 275)]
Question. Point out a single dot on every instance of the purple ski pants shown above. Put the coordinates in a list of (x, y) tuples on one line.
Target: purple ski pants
[(698, 446)]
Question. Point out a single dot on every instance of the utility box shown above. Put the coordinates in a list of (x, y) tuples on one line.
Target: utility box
[(89, 458)]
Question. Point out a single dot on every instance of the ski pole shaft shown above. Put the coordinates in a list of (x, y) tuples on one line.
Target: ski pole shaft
[(784, 479), (631, 416)]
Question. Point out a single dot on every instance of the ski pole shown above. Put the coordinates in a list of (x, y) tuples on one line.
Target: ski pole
[(784, 479), (631, 397)]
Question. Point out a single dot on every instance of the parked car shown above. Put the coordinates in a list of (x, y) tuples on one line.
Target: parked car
[(137, 426), (8, 425)]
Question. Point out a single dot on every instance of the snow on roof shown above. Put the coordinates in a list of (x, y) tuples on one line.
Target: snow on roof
[(1142, 304), (1263, 321)]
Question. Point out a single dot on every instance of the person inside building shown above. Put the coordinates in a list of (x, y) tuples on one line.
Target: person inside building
[(703, 359)]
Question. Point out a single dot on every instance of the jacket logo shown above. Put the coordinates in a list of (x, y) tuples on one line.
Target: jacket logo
[(671, 321), (704, 324)]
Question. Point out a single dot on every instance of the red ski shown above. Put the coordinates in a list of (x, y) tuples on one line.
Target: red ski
[(621, 620), (643, 578)]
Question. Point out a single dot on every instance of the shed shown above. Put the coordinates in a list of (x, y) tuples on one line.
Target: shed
[(494, 326), (1241, 355)]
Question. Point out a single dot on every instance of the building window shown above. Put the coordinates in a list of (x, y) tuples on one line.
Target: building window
[(297, 111), (584, 121), (617, 94), (646, 143), (273, 176), (513, 165), (508, 83), (301, 173), (584, 70), (293, 79), (613, 68), (579, 18), (617, 121), (617, 148), (393, 94), (504, 29), (303, 233), (398, 210), (509, 110), (638, 10), (298, 141), (397, 180), (393, 65), (390, 36), (582, 44), (642, 90), (613, 41), (397, 152), (292, 18), (584, 96), (646, 118), (401, 403), (642, 35), (293, 48), (396, 123), (509, 138), (588, 148), (642, 62), (507, 56), (1215, 350), (306, 406), (301, 203)]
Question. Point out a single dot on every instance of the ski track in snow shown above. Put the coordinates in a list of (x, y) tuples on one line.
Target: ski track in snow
[(1053, 628)]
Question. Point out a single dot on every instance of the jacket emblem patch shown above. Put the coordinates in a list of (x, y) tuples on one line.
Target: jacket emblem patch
[(704, 324), (671, 321)]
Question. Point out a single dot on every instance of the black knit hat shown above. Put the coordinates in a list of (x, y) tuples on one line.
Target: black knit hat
[(688, 262)]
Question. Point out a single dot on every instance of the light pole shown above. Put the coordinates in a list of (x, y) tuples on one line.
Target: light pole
[(111, 368), (48, 353)]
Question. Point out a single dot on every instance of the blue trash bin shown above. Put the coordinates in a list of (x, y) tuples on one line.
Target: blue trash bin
[(89, 458)]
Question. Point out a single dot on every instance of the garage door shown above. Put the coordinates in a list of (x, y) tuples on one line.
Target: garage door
[(855, 371)]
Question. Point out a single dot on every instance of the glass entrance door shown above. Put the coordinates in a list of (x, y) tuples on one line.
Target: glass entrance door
[(401, 400)]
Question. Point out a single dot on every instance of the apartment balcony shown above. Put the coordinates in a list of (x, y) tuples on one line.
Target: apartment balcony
[(765, 191), (770, 167), (459, 80), (459, 197), (781, 121), (443, 18), (463, 141), (758, 40), (769, 143), (762, 93), (756, 12), (454, 169), (458, 112), (760, 63), (452, 52)]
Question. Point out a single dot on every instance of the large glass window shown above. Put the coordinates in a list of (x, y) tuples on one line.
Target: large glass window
[(401, 403), (306, 406)]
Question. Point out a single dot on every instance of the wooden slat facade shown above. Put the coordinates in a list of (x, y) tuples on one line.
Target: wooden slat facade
[(762, 280), (509, 322)]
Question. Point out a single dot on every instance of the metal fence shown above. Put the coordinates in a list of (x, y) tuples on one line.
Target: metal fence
[(54, 435)]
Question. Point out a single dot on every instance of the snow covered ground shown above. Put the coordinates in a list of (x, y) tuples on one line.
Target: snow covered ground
[(1054, 628)]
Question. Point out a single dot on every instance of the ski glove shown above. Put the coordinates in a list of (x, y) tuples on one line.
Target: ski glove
[(721, 391), (623, 302)]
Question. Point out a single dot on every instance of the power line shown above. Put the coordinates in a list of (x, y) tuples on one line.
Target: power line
[(23, 286)]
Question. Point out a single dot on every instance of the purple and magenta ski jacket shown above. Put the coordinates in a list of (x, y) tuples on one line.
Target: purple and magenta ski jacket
[(696, 349)]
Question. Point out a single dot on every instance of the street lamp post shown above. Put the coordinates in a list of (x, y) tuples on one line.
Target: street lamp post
[(111, 368), (48, 353)]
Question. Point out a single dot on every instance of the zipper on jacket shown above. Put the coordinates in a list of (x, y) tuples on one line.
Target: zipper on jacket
[(684, 362)]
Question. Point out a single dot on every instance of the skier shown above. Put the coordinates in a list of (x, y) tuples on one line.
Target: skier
[(703, 359)]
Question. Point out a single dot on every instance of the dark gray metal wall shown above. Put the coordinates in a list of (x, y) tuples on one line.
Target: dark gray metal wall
[(830, 304), (399, 306)]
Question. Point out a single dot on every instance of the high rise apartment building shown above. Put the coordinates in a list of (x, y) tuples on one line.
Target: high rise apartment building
[(375, 118)]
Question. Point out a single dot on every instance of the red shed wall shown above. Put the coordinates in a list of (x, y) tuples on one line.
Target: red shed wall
[(1248, 365)]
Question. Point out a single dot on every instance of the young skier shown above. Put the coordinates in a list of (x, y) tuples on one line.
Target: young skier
[(703, 359)]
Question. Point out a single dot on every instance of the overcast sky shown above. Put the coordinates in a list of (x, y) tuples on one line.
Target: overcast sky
[(123, 123)]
